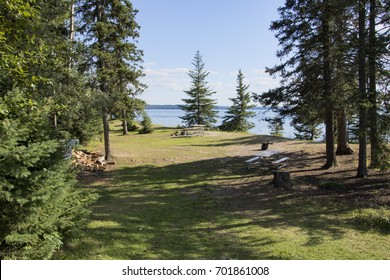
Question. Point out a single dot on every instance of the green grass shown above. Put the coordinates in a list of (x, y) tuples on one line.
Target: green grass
[(192, 198)]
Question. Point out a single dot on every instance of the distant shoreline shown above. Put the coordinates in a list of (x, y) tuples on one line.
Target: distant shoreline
[(177, 106)]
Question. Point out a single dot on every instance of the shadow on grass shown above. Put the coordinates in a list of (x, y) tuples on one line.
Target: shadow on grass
[(245, 140), (200, 210)]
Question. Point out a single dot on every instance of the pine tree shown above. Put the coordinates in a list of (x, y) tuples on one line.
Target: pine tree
[(275, 125), (199, 107), (111, 31), (306, 124), (378, 80), (237, 116), (314, 58), (362, 170)]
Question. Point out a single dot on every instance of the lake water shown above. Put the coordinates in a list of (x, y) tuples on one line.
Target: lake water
[(171, 118)]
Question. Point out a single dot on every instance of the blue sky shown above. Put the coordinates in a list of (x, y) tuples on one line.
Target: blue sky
[(230, 35)]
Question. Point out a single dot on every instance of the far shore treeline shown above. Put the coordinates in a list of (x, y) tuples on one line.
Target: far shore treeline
[(177, 106)]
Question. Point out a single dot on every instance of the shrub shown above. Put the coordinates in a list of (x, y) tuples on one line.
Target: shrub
[(146, 123)]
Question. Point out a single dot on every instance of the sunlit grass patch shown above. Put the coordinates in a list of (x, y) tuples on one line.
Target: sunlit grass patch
[(103, 224), (193, 198)]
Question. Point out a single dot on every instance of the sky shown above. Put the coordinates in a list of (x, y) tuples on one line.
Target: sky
[(229, 34)]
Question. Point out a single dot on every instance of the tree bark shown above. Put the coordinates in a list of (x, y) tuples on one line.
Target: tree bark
[(282, 180), (342, 134), (373, 95), (362, 168), (55, 121), (106, 132), (329, 107), (124, 122), (71, 31)]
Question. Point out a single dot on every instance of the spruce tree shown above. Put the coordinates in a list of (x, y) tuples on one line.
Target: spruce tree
[(111, 33), (306, 123), (275, 125), (40, 201), (147, 126), (39, 197), (362, 170), (237, 116), (313, 59), (199, 107)]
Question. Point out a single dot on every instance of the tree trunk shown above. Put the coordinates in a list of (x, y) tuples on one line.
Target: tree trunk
[(55, 121), (71, 30), (124, 122), (329, 122), (342, 134), (71, 22), (106, 132), (373, 96), (362, 168), (282, 180)]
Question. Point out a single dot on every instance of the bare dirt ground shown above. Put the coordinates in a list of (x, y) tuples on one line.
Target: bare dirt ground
[(305, 163)]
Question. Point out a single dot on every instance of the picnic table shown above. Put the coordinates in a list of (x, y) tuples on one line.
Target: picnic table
[(266, 160), (195, 130)]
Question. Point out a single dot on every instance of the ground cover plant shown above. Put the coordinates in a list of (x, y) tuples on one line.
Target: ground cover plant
[(193, 198)]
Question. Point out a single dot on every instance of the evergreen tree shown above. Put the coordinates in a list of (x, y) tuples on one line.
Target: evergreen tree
[(318, 71), (146, 123), (18, 25), (111, 31), (378, 77), (237, 116), (362, 167), (39, 198), (306, 124), (199, 107), (275, 125)]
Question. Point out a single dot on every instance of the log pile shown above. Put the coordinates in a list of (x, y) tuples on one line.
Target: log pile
[(90, 161)]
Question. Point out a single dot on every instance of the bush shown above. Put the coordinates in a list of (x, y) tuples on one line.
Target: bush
[(146, 123), (132, 126)]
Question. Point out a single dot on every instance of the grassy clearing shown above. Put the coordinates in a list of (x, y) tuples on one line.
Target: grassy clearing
[(192, 198)]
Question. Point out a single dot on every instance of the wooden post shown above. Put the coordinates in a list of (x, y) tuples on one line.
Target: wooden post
[(282, 180)]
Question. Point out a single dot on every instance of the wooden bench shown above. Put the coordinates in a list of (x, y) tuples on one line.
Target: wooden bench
[(280, 163), (252, 162)]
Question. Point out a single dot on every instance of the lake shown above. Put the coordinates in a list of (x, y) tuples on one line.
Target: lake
[(171, 118)]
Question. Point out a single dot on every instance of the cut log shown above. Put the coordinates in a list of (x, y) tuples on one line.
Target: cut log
[(89, 161), (100, 160), (282, 180)]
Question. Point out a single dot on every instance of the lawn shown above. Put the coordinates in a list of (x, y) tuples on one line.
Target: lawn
[(193, 198)]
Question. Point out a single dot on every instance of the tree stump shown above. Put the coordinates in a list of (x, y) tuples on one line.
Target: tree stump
[(282, 180), (264, 146)]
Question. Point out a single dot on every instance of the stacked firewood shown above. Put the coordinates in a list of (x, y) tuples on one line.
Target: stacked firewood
[(90, 161)]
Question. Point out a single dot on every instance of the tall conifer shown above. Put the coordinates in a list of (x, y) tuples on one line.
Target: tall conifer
[(237, 116), (111, 32), (199, 107)]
